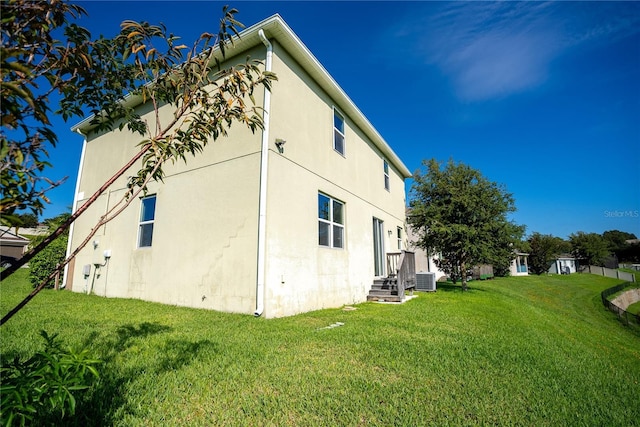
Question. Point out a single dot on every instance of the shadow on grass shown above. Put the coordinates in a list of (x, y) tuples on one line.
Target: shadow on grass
[(450, 287), (108, 401)]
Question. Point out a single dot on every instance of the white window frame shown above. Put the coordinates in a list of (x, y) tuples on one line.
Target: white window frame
[(143, 223), (340, 132), (387, 179), (332, 224), (399, 237)]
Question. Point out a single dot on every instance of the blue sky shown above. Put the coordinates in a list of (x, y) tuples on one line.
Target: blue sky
[(541, 97)]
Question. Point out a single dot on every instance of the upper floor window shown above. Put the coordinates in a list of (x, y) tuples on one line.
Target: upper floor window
[(386, 176), (338, 132), (147, 218), (330, 222)]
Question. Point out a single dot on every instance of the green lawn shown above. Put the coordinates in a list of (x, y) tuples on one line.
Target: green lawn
[(516, 351), (634, 308)]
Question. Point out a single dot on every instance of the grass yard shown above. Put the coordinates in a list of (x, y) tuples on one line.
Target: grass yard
[(634, 308), (515, 351)]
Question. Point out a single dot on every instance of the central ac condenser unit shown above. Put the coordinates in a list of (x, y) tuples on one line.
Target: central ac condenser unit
[(426, 282)]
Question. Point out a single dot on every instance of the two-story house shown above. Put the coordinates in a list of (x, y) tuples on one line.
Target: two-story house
[(295, 218)]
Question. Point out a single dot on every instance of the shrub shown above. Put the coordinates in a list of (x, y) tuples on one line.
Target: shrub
[(47, 260), (42, 387)]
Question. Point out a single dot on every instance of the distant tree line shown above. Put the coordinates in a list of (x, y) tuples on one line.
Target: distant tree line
[(462, 216), (606, 249)]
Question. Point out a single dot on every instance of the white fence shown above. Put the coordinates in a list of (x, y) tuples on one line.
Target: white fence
[(610, 272)]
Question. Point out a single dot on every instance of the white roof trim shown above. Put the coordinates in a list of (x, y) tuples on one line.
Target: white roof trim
[(276, 28)]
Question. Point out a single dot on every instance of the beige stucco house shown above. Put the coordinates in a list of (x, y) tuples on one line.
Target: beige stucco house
[(425, 262), (295, 218)]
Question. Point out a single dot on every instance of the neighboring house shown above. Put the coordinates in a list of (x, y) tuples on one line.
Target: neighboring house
[(425, 262), (312, 234), (519, 264), (12, 246), (564, 264)]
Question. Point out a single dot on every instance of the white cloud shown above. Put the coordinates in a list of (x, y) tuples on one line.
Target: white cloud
[(493, 50), (495, 66)]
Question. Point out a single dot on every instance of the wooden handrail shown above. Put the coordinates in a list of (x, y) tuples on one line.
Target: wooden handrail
[(393, 262), (402, 265)]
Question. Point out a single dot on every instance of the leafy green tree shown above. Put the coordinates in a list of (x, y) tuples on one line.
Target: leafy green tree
[(462, 215), (589, 248), (543, 249), (617, 242), (617, 239), (629, 253), (34, 66), (143, 62)]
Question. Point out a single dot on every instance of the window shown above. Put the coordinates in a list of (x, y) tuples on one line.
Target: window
[(386, 175), (330, 222), (338, 132), (378, 247), (147, 217), (399, 236)]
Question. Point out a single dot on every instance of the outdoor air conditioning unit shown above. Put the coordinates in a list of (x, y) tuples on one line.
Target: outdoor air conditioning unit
[(426, 282)]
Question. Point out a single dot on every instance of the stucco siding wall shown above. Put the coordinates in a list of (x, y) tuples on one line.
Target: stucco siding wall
[(108, 151), (204, 247), (302, 275), (303, 116), (204, 251)]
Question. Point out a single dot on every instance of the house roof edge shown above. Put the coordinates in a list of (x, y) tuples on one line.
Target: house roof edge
[(275, 27)]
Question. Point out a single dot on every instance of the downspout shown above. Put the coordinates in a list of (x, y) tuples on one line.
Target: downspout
[(75, 206), (264, 166)]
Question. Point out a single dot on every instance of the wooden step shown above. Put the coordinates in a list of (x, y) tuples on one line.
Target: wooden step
[(387, 298), (385, 289), (383, 292), (386, 281)]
